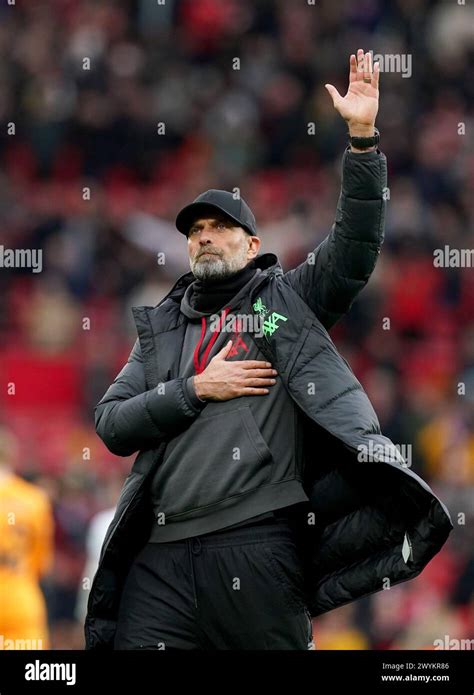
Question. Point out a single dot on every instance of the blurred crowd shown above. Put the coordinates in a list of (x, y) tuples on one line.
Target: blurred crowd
[(113, 115)]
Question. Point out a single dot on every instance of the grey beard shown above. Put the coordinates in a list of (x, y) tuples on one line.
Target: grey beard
[(217, 268)]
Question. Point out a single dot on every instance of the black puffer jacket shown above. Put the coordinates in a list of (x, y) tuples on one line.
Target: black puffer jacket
[(371, 523)]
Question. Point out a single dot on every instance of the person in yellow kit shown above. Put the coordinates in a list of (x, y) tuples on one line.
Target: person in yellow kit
[(26, 550)]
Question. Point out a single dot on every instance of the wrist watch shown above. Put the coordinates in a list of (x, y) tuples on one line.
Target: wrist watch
[(361, 143)]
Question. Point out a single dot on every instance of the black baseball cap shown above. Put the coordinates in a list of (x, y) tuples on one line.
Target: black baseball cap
[(224, 201)]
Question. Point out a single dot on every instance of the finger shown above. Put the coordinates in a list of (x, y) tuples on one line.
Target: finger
[(376, 75), (252, 364), (253, 392), (334, 93), (360, 65), (223, 351), (260, 373), (368, 67), (259, 382), (352, 68)]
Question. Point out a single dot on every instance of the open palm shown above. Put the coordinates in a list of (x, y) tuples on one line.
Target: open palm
[(361, 103)]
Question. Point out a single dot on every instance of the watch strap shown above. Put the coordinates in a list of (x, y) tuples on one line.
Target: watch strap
[(361, 142)]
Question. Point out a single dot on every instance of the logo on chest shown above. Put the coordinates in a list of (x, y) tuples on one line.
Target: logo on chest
[(271, 319), (238, 345)]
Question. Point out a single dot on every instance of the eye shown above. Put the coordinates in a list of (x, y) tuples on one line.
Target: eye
[(221, 225)]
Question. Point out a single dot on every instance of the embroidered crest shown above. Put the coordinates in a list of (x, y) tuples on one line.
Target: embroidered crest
[(270, 324)]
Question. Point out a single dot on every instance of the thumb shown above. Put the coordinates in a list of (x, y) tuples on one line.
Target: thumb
[(333, 92), (223, 352)]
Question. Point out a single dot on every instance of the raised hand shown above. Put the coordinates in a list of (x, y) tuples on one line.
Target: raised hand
[(360, 105)]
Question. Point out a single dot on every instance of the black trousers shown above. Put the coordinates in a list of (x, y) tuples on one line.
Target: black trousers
[(236, 589)]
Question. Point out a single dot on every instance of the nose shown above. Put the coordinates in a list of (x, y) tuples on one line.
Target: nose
[(206, 233), (206, 238)]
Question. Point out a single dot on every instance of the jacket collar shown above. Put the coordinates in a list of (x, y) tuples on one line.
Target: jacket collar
[(267, 262)]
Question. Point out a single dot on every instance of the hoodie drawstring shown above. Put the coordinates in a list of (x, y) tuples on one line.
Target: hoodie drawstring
[(200, 364)]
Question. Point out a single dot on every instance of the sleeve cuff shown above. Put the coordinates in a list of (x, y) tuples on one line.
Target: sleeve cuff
[(190, 392), (171, 407), (367, 154)]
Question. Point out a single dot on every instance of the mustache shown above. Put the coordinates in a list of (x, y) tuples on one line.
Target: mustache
[(215, 253)]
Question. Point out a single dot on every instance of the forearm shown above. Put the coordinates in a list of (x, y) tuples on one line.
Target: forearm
[(146, 419), (359, 226), (341, 265)]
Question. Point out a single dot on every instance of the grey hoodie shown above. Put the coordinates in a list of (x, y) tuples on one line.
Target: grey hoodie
[(233, 446)]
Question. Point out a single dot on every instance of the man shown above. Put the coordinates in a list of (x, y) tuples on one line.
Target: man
[(248, 511), (26, 554)]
